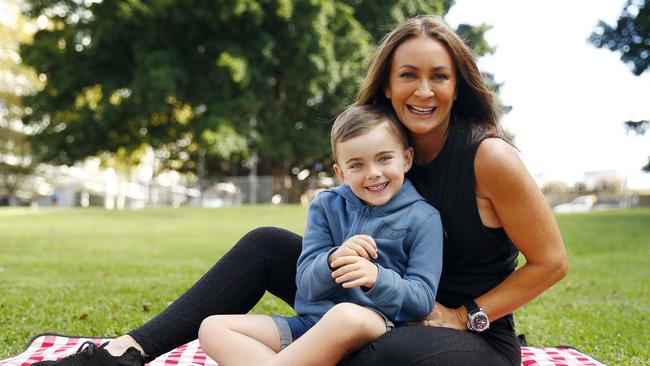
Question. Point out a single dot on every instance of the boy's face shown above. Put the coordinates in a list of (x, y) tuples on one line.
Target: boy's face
[(373, 165)]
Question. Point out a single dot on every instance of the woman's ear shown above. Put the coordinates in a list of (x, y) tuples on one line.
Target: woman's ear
[(408, 159), (386, 91)]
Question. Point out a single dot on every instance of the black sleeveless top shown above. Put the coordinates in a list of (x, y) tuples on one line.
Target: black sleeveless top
[(476, 258)]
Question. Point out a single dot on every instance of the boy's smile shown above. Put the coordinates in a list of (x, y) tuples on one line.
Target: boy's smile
[(373, 165)]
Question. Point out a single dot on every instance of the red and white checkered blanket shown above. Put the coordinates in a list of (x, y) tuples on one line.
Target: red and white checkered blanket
[(53, 346)]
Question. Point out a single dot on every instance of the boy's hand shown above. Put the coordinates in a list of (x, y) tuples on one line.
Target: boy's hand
[(358, 245), (354, 271)]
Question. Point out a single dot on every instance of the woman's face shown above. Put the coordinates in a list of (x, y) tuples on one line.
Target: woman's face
[(422, 85)]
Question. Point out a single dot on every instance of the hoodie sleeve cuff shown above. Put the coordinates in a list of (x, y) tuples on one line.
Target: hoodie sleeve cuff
[(322, 268), (384, 286)]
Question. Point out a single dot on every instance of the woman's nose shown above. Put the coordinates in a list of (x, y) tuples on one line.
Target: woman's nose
[(424, 90)]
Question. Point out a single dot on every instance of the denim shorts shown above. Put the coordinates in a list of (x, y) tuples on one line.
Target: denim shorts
[(292, 327)]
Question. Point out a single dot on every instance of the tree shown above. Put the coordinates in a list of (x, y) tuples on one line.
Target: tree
[(219, 80), (16, 81), (185, 76), (630, 36), (639, 128), (612, 185)]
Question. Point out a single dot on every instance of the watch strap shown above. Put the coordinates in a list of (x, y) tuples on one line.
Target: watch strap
[(472, 307)]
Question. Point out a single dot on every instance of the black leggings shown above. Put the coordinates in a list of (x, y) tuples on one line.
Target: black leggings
[(265, 260)]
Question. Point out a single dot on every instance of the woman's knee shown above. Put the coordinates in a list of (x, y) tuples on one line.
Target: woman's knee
[(268, 239)]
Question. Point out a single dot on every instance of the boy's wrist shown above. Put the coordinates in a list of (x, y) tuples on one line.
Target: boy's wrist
[(373, 279)]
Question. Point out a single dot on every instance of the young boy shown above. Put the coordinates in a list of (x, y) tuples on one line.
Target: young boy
[(371, 257)]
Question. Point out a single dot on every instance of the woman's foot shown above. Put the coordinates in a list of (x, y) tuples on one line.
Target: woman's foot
[(90, 354), (119, 345)]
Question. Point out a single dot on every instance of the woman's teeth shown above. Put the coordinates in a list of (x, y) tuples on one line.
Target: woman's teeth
[(420, 110)]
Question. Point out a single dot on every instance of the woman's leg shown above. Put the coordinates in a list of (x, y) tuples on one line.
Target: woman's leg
[(264, 259), (343, 329), (239, 340), (431, 346)]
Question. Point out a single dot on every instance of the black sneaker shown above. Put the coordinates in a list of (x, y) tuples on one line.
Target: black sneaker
[(92, 355)]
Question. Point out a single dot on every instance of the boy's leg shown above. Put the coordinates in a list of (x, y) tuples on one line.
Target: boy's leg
[(233, 340), (343, 329)]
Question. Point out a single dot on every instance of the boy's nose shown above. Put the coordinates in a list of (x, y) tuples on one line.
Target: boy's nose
[(374, 171)]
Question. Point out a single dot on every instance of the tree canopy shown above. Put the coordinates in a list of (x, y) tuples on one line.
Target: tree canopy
[(16, 81), (630, 36), (217, 79)]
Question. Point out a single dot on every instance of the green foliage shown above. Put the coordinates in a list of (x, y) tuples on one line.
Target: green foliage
[(630, 36), (97, 272), (473, 36), (269, 75), (174, 74), (16, 81), (379, 17), (639, 128)]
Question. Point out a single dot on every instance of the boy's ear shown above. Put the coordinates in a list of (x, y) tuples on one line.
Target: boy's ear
[(408, 159), (338, 171)]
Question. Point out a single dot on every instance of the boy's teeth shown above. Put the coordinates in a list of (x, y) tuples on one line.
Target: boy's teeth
[(377, 188)]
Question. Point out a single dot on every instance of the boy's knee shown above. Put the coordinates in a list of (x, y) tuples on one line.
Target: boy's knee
[(210, 326), (347, 314)]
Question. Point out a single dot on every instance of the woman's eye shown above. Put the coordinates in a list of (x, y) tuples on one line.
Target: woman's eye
[(407, 75), (440, 77)]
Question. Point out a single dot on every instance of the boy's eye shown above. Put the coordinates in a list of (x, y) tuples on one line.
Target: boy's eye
[(355, 166), (384, 159)]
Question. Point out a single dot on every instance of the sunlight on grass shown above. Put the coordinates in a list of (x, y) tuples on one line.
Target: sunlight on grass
[(101, 273)]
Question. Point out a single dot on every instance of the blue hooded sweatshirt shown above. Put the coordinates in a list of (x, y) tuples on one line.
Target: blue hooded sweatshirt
[(408, 233)]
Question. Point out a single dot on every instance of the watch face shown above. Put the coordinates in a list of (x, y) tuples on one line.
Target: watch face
[(479, 322)]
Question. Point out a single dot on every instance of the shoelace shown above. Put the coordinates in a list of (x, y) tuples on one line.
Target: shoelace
[(89, 350)]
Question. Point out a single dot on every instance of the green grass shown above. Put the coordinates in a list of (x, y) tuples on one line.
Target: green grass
[(96, 272)]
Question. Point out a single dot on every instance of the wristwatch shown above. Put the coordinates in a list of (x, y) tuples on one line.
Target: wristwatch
[(478, 320)]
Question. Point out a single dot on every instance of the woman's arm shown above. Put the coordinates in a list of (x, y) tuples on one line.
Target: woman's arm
[(509, 197)]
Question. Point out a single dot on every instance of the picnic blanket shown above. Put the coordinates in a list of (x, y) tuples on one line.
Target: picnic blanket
[(54, 346)]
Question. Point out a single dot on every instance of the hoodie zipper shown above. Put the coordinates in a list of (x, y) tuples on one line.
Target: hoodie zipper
[(365, 212)]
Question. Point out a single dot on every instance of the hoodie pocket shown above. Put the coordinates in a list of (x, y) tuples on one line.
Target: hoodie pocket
[(385, 231)]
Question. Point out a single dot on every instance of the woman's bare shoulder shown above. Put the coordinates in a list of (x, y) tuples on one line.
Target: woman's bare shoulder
[(496, 158)]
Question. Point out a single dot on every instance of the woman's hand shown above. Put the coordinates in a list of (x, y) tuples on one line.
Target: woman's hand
[(359, 245), (353, 271), (442, 316)]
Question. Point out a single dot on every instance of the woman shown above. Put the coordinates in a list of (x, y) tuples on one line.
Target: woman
[(491, 210)]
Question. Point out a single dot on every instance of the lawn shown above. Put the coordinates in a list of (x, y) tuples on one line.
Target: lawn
[(96, 272)]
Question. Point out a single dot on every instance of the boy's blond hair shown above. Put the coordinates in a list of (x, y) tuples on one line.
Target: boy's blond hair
[(358, 120)]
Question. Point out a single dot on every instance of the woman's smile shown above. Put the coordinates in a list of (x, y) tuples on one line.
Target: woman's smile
[(423, 111), (422, 84)]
